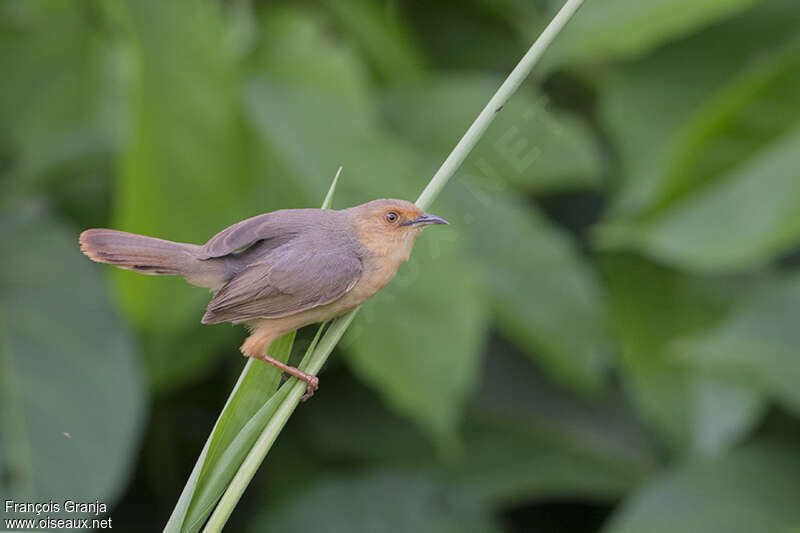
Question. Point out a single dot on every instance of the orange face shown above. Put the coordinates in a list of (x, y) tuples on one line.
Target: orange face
[(400, 215), (388, 226)]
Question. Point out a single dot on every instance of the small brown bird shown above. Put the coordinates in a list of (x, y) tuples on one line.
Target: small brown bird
[(280, 271)]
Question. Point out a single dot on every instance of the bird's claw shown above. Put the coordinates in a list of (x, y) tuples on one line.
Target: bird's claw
[(312, 384)]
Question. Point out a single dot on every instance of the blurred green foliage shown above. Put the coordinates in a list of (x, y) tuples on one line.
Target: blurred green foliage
[(605, 338)]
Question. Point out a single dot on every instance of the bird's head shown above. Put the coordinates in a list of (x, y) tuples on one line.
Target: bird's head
[(388, 227)]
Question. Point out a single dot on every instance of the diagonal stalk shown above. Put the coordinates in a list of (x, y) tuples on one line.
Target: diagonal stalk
[(314, 360), (496, 103)]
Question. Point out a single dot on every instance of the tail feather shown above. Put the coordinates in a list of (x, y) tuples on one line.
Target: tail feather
[(149, 255)]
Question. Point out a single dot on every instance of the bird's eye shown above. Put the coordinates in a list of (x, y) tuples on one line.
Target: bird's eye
[(391, 217)]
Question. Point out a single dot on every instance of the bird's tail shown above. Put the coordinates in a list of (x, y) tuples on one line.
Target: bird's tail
[(149, 255)]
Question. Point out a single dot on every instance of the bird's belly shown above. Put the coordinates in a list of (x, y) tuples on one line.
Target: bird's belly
[(269, 329)]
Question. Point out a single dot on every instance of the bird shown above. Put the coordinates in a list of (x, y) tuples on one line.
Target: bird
[(279, 271)]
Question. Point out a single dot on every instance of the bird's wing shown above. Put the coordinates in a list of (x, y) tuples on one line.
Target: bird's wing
[(288, 280), (278, 226)]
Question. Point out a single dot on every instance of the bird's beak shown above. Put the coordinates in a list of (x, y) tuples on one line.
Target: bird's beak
[(426, 219)]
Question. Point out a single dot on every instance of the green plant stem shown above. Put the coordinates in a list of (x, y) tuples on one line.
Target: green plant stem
[(317, 357), (328, 201), (496, 103)]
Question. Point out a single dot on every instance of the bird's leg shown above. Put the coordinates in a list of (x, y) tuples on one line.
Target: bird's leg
[(256, 345), (312, 382)]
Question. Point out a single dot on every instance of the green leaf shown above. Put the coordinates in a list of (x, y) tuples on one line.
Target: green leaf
[(753, 111), (752, 489), (418, 341), (758, 342), (651, 308), (741, 222), (527, 439), (530, 145), (705, 87), (475, 37), (59, 338), (61, 91), (741, 149), (382, 36), (238, 426), (301, 156), (523, 438), (709, 184), (623, 29), (185, 173), (376, 436), (292, 40), (544, 295), (379, 501)]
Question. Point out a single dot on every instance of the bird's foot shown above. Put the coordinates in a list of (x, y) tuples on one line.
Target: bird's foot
[(312, 384)]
